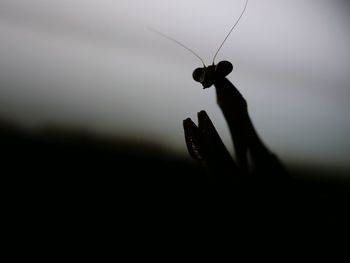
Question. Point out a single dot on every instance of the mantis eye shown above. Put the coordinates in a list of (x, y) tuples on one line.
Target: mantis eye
[(198, 74), (223, 68)]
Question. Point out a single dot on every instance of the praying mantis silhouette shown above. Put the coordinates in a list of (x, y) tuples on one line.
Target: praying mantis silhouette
[(204, 143)]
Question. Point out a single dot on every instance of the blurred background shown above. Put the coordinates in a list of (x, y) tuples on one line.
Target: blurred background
[(92, 67)]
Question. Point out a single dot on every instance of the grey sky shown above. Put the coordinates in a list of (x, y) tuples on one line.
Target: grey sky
[(94, 64)]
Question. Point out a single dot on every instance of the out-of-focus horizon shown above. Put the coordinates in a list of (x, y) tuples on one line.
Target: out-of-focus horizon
[(93, 64)]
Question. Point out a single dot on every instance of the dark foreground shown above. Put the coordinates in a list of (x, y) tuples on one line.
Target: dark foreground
[(75, 187)]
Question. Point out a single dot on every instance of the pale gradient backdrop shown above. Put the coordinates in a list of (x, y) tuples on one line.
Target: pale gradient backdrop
[(93, 64)]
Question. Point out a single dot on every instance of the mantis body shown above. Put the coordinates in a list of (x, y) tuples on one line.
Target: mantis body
[(235, 111)]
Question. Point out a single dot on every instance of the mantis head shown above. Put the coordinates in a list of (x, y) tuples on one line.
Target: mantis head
[(207, 76)]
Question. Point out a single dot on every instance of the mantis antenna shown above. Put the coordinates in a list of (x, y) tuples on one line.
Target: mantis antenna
[(177, 42), (190, 50), (229, 33)]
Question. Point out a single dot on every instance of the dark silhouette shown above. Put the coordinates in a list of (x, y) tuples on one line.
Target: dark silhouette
[(205, 144)]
